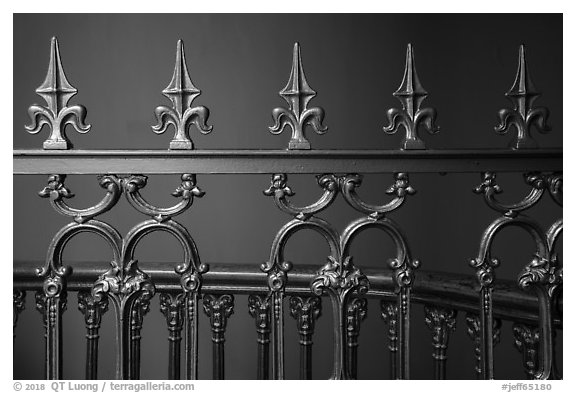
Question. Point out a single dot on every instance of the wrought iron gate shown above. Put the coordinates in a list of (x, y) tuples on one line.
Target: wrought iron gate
[(193, 287)]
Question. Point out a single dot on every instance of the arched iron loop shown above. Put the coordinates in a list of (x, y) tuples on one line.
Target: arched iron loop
[(187, 191), (540, 276), (556, 186), (403, 264), (277, 266), (190, 269), (57, 191), (53, 265), (489, 188), (280, 190), (400, 189)]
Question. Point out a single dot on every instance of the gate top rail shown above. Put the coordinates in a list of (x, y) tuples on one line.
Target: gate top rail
[(29, 162)]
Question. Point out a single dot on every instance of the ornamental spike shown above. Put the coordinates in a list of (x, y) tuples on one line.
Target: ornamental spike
[(523, 94), (297, 92), (297, 116), (181, 92), (411, 94), (56, 91)]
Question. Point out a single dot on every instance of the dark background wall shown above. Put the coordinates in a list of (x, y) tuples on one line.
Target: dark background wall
[(120, 64)]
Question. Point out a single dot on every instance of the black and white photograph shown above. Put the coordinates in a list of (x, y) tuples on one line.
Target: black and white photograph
[(287, 196)]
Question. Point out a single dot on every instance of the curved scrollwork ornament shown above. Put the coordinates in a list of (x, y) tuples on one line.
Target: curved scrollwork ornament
[(441, 321), (124, 282), (56, 91), (524, 115), (259, 308), (181, 115), (172, 307), (57, 192), (400, 189), (555, 184), (92, 309), (130, 290), (280, 190), (489, 189), (389, 313), (187, 191), (526, 340), (542, 271), (356, 312), (411, 116), (218, 309), (339, 278), (305, 310), (297, 116)]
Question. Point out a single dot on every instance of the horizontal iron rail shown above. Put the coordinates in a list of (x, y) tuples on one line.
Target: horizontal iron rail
[(28, 162), (449, 290)]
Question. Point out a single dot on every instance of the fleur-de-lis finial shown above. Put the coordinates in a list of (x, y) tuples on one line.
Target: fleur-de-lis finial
[(182, 115), (56, 91), (523, 116), (298, 94), (411, 94)]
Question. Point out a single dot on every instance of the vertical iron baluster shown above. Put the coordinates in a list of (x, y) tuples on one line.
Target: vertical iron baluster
[(172, 306), (390, 315), (19, 301), (191, 336), (140, 307), (278, 335), (486, 341), (355, 313), (40, 299), (474, 332), (555, 374), (403, 333), (259, 308), (305, 310), (93, 309), (526, 340), (441, 321), (51, 305), (218, 309)]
